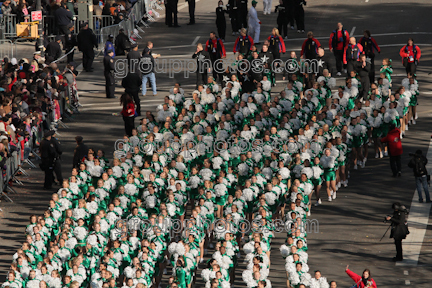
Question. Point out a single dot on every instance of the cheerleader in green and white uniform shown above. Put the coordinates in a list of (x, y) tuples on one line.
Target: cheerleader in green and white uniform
[(413, 87), (376, 122), (328, 163)]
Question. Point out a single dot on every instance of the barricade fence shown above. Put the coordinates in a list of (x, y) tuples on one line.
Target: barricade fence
[(13, 163)]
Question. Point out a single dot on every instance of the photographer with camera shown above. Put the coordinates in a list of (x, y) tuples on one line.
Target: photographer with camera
[(399, 227), (418, 164)]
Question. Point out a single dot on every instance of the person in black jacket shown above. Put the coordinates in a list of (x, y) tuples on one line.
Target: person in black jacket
[(53, 48), (109, 74), (363, 67), (63, 18), (232, 7), (122, 43), (57, 161), (220, 20), (299, 15), (191, 4), (132, 84), (203, 64), (399, 228), (323, 62), (171, 13), (81, 151), (133, 58), (282, 19), (70, 43), (86, 42), (48, 153), (418, 163)]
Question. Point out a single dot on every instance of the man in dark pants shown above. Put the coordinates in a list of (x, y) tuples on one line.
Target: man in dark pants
[(86, 42), (70, 43), (418, 163), (363, 68), (394, 144), (216, 50), (57, 161), (81, 151), (203, 65), (289, 9), (132, 84), (191, 4), (109, 74), (339, 40), (243, 14), (369, 46), (233, 7), (299, 15), (47, 158), (171, 13), (399, 228)]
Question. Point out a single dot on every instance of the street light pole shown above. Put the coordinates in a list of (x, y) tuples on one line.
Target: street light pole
[(40, 29)]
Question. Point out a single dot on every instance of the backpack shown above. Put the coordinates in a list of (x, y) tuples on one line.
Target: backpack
[(419, 167)]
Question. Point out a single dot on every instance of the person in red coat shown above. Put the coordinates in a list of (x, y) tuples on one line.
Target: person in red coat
[(410, 54), (394, 144), (364, 281), (128, 113)]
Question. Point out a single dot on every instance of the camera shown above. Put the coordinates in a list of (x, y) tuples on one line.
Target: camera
[(385, 218)]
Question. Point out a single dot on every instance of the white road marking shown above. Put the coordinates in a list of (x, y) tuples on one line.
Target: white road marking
[(401, 45), (353, 30), (196, 40), (417, 223), (407, 282), (406, 272), (367, 1)]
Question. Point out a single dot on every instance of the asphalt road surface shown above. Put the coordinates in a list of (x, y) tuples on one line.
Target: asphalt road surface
[(350, 228)]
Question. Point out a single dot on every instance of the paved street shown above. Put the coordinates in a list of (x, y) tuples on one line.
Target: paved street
[(350, 228)]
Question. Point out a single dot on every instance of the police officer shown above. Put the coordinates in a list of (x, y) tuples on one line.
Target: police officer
[(399, 228), (48, 153), (109, 74), (57, 160), (86, 42), (203, 64), (70, 43), (109, 45)]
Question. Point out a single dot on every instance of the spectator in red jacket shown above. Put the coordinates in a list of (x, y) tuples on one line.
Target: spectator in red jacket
[(410, 54), (394, 145), (128, 113), (339, 40), (364, 281)]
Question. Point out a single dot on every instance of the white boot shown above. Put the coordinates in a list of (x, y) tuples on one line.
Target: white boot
[(334, 195)]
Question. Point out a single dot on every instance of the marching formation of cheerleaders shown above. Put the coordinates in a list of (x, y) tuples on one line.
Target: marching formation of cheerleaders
[(224, 164)]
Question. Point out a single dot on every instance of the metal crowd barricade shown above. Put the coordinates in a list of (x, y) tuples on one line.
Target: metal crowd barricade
[(7, 49), (8, 25)]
